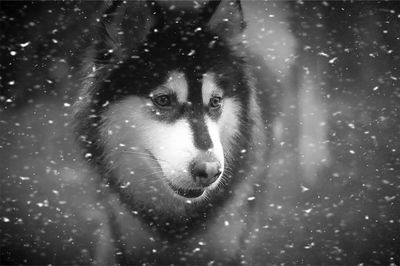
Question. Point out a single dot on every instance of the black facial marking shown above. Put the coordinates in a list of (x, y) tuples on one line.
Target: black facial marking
[(201, 136), (196, 115)]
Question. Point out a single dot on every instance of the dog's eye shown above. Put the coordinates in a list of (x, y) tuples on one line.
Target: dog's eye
[(215, 102), (162, 100)]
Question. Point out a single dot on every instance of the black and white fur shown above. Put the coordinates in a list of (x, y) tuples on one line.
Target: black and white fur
[(160, 210)]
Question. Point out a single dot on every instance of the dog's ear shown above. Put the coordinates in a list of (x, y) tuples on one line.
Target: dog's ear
[(225, 18), (106, 41), (159, 13), (174, 12), (121, 28)]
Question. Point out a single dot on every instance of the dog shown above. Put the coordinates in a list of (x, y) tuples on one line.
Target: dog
[(169, 119)]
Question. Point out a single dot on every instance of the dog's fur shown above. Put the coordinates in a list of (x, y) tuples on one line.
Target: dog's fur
[(125, 137)]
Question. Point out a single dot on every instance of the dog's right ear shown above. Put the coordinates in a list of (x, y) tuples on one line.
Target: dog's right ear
[(122, 27)]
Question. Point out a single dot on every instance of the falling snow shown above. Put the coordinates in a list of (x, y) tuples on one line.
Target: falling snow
[(333, 180)]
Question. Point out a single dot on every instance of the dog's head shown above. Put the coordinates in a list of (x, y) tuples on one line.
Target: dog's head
[(169, 100)]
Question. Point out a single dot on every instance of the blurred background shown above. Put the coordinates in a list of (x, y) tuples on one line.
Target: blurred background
[(334, 192)]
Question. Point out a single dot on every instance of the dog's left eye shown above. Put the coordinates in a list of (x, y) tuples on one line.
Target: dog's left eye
[(162, 100), (215, 102)]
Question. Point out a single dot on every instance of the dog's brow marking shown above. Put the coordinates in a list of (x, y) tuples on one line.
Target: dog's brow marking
[(176, 82), (209, 87)]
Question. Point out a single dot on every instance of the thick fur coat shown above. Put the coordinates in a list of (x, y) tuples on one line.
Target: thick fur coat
[(141, 145)]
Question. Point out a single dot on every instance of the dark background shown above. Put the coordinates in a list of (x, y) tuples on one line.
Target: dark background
[(334, 193)]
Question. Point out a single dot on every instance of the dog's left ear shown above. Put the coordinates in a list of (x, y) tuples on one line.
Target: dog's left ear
[(122, 27), (225, 18)]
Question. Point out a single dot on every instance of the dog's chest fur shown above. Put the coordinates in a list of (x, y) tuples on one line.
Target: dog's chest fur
[(221, 238)]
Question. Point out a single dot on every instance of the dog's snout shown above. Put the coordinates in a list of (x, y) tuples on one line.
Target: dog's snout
[(205, 173)]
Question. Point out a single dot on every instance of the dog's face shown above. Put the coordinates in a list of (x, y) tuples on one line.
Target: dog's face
[(172, 141), (171, 115)]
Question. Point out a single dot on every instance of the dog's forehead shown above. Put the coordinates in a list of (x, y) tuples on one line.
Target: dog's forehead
[(187, 44), (177, 82)]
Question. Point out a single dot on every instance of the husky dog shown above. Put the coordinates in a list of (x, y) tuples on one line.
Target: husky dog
[(169, 118)]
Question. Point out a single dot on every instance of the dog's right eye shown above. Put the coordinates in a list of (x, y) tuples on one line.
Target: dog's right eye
[(162, 100)]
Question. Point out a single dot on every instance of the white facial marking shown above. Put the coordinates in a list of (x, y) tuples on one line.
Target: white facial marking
[(228, 123), (209, 88), (171, 144), (177, 83), (213, 130)]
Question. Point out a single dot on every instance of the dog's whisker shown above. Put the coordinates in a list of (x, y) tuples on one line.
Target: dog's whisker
[(145, 155)]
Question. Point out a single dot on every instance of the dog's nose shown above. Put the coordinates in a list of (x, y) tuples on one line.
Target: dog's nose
[(205, 173)]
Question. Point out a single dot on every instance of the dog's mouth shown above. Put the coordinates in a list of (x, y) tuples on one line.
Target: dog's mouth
[(187, 192)]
